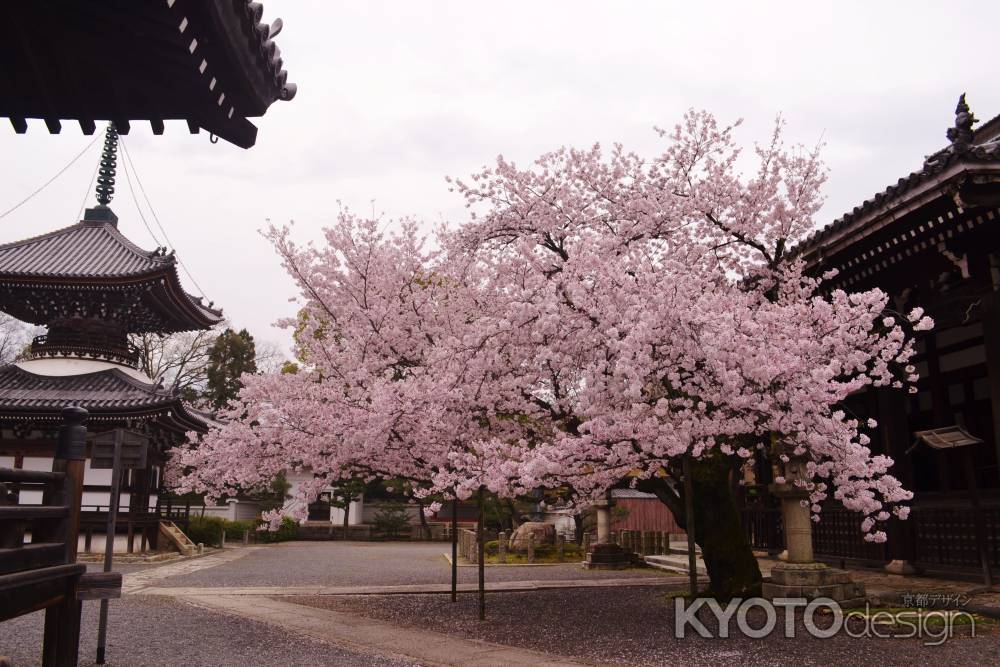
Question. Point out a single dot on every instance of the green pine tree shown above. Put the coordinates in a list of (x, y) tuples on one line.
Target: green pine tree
[(232, 355)]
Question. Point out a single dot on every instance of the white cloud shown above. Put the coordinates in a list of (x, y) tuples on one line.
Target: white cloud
[(395, 95)]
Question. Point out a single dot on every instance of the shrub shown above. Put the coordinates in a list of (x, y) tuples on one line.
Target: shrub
[(235, 529), (391, 519), (206, 530), (288, 530)]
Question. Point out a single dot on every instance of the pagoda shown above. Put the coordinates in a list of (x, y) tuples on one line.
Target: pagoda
[(91, 287)]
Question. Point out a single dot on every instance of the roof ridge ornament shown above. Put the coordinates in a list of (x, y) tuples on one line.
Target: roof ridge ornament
[(961, 134)]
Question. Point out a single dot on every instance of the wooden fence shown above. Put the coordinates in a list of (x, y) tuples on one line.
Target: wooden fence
[(934, 537)]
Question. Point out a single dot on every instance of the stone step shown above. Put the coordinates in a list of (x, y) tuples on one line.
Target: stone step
[(682, 548), (674, 563), (181, 542)]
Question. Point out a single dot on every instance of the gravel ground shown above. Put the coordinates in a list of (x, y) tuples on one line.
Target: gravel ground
[(635, 627), (369, 563), (166, 633)]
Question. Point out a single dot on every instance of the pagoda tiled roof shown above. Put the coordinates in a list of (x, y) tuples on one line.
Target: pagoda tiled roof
[(109, 393), (92, 254), (85, 250), (951, 162)]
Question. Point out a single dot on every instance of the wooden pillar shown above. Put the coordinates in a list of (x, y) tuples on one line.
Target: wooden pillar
[(896, 439), (991, 339), (940, 409)]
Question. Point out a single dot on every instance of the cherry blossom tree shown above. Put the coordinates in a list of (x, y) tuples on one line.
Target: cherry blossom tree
[(670, 319), (599, 318), (391, 385)]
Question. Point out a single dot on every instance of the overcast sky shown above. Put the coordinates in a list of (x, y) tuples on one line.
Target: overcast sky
[(394, 96)]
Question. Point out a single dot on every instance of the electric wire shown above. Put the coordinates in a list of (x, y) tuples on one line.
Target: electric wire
[(156, 218), (138, 208), (49, 182), (86, 194)]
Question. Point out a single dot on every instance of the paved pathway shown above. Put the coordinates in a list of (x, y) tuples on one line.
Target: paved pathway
[(365, 634)]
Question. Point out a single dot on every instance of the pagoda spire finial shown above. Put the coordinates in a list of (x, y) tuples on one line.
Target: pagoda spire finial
[(109, 162)]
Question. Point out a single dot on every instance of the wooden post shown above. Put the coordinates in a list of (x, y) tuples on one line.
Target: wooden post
[(502, 547), (586, 544), (481, 549), (454, 549), (109, 542), (531, 547), (61, 640), (560, 546), (689, 519)]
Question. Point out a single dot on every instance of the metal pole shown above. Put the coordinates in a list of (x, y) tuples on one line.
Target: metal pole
[(454, 550), (480, 546), (109, 543), (689, 520)]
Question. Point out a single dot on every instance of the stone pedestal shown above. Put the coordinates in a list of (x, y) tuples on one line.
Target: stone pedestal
[(606, 555), (811, 581)]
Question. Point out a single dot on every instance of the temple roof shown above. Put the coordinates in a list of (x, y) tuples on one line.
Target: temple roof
[(959, 171), (213, 63), (92, 257), (107, 394), (86, 250)]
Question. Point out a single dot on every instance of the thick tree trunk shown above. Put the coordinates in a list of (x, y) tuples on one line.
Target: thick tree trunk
[(729, 560)]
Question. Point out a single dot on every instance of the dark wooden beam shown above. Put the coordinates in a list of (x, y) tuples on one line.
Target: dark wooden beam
[(88, 126), (20, 125), (193, 127), (55, 127), (157, 126), (122, 126)]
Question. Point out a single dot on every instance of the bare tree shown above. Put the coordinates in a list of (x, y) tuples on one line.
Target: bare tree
[(179, 361), (270, 357), (15, 336)]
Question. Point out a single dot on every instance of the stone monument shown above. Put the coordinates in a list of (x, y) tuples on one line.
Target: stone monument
[(606, 555)]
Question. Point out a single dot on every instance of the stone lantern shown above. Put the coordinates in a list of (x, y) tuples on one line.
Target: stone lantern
[(800, 576)]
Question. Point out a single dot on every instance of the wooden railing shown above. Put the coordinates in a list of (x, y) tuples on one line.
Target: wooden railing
[(43, 573), (763, 528)]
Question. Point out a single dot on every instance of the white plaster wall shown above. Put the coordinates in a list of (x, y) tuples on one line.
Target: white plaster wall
[(90, 477), (73, 366), (296, 478)]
